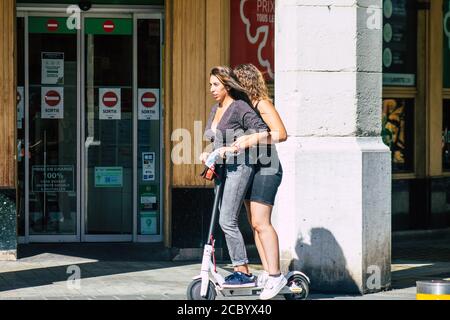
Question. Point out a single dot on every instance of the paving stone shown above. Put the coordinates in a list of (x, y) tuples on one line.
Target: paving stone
[(44, 275)]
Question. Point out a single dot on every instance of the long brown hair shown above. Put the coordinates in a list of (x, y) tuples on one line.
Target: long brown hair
[(253, 81), (231, 82)]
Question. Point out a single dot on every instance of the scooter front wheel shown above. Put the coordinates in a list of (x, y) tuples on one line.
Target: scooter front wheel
[(194, 288), (300, 286)]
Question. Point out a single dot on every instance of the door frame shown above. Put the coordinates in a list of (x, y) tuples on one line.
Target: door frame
[(117, 11)]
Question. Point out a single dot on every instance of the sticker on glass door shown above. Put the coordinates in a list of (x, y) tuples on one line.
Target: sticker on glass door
[(52, 103), (148, 104), (110, 103), (52, 68)]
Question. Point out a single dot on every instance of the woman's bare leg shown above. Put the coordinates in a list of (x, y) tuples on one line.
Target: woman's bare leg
[(267, 236), (258, 244)]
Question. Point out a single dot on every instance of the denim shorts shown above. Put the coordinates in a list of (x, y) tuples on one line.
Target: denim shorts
[(264, 186)]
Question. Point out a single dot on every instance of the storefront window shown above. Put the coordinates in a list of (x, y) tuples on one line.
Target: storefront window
[(446, 45), (446, 135), (21, 126), (399, 43), (398, 131)]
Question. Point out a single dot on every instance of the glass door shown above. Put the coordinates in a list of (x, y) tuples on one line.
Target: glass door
[(148, 30), (108, 128), (52, 113), (90, 126)]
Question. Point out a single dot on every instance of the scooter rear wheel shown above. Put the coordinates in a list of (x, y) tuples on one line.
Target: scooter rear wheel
[(194, 288), (299, 281)]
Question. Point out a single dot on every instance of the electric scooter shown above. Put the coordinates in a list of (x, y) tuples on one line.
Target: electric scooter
[(209, 282)]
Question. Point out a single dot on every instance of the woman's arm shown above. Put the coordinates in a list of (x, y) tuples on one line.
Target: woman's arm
[(273, 120), (251, 140), (248, 141)]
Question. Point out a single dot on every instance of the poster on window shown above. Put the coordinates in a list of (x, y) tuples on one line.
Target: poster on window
[(148, 166), (148, 197), (52, 68), (110, 103), (148, 101), (252, 34), (397, 132), (149, 224), (52, 104), (108, 177), (52, 178), (399, 43)]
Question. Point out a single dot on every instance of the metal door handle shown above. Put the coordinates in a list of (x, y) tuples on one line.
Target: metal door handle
[(90, 142)]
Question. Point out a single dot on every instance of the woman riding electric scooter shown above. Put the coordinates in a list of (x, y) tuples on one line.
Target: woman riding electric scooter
[(230, 118), (227, 123)]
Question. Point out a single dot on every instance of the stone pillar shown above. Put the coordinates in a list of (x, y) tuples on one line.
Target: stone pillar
[(8, 233), (333, 209)]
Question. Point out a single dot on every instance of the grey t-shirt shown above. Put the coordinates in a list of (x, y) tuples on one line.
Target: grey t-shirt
[(239, 119)]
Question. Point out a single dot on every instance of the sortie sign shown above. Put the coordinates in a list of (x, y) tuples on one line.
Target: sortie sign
[(110, 103), (52, 98), (110, 99), (52, 103), (109, 26), (148, 104), (148, 100), (52, 25)]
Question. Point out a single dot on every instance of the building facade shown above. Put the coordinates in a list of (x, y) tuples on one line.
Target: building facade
[(103, 110)]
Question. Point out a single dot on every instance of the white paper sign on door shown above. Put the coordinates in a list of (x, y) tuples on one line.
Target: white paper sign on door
[(148, 166), (148, 100), (110, 103), (52, 68), (20, 107), (52, 104)]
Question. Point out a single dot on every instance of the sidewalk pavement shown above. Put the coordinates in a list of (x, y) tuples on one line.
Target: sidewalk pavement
[(146, 272)]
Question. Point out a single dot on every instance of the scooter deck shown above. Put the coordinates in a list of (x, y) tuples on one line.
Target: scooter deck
[(252, 291)]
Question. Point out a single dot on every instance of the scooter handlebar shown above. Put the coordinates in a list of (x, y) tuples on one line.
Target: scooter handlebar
[(215, 155)]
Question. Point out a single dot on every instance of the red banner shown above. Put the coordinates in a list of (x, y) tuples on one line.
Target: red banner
[(252, 34)]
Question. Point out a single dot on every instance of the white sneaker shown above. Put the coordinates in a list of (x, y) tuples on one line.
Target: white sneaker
[(273, 286), (262, 279)]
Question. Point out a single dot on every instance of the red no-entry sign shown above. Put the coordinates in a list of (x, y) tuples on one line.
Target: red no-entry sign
[(109, 26), (110, 99), (52, 25), (148, 100), (52, 98)]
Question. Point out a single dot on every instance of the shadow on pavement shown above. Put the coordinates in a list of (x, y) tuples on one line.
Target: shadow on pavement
[(99, 251), (327, 271), (94, 260)]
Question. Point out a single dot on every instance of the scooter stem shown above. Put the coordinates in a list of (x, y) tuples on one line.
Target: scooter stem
[(217, 198)]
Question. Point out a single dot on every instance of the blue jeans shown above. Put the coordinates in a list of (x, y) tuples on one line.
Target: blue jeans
[(238, 178)]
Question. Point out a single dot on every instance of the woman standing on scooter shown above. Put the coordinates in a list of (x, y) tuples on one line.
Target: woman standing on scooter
[(260, 196), (229, 119)]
